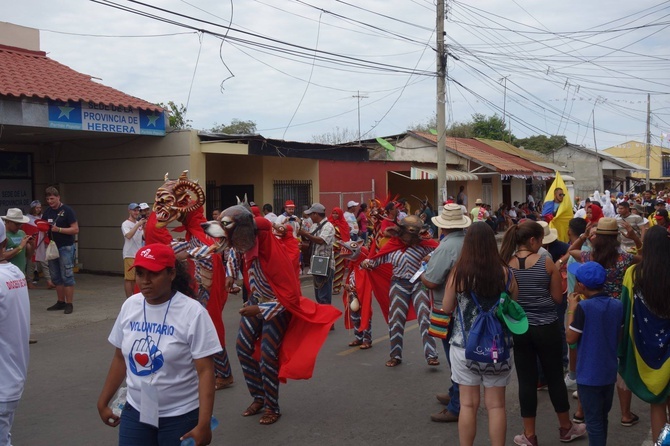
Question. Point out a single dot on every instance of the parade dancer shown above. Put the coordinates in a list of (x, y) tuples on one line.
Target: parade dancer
[(280, 331), (341, 235), (354, 253), (404, 252)]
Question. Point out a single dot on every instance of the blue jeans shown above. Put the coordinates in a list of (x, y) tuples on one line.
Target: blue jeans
[(454, 405), (323, 287), (597, 402), (7, 410), (134, 433), (62, 268)]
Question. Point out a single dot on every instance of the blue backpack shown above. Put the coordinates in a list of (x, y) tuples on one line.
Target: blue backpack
[(487, 350)]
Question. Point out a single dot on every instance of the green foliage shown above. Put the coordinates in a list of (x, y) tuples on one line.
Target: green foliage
[(236, 127), (176, 115), (481, 126), (541, 143), (336, 136)]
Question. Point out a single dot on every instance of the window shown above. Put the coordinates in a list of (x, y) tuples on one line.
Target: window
[(298, 191)]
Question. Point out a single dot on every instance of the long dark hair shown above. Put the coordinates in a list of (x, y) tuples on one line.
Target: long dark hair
[(362, 209), (480, 269), (605, 250), (183, 282), (519, 235), (654, 267)]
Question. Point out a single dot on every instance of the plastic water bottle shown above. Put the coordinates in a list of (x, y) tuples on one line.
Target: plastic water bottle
[(119, 401), (191, 442)]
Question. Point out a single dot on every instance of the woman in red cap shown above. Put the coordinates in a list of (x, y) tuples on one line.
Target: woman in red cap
[(164, 345)]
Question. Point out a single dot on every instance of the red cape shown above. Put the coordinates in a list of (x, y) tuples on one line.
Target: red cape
[(153, 234), (379, 282), (310, 322), (361, 284), (292, 248)]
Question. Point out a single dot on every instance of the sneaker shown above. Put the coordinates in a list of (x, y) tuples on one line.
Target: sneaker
[(542, 386), (522, 440), (575, 395), (445, 416), (575, 431), (57, 306), (68, 309), (577, 419), (570, 383)]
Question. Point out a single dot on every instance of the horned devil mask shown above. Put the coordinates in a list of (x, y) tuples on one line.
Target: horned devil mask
[(176, 198), (411, 230)]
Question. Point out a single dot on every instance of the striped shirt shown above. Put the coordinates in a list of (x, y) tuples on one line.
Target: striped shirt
[(260, 292), (405, 263), (534, 296)]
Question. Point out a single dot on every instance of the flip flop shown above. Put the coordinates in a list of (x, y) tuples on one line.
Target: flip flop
[(632, 422), (393, 362)]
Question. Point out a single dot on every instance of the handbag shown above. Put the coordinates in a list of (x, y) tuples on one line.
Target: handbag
[(52, 251), (319, 265), (439, 323)]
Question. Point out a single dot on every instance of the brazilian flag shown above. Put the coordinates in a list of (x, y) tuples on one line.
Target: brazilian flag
[(644, 352)]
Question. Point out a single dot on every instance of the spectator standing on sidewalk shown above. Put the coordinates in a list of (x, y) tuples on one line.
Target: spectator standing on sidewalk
[(37, 263), (18, 243), (133, 235), (14, 332), (64, 227)]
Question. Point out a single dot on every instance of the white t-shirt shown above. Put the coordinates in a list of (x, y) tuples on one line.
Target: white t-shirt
[(133, 244), (351, 221), (271, 217), (187, 334), (14, 332), (292, 220)]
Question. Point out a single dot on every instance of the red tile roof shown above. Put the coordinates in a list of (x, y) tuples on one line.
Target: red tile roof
[(508, 156), (25, 73)]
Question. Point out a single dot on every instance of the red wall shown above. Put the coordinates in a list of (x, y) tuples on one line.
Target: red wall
[(341, 181)]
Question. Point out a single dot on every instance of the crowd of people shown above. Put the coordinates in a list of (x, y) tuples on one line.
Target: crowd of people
[(561, 311)]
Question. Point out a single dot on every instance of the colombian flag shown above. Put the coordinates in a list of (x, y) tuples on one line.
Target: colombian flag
[(564, 212), (644, 352)]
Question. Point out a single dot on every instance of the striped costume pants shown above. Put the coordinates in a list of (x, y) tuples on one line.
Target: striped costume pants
[(401, 294), (361, 336), (262, 377)]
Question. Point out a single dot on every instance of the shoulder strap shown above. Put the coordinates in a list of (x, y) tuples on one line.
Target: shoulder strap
[(509, 278), (319, 226), (522, 261)]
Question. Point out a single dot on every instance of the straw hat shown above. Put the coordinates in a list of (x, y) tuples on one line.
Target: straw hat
[(451, 218), (607, 226), (15, 215), (550, 234), (479, 201)]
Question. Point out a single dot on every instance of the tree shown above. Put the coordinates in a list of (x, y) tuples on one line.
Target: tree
[(481, 126), (176, 115), (541, 143), (336, 136), (236, 127)]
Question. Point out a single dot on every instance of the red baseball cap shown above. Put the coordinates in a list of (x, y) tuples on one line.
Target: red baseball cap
[(289, 203), (155, 257)]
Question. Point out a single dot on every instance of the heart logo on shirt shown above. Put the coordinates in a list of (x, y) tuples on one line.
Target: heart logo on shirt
[(142, 359)]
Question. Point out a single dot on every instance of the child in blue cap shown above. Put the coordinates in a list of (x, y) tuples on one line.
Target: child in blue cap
[(595, 327)]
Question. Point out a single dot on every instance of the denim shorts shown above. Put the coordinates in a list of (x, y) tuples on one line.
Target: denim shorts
[(62, 268), (132, 432)]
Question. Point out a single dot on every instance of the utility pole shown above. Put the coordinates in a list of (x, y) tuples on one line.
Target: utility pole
[(601, 181), (359, 96), (441, 96), (504, 79), (648, 138)]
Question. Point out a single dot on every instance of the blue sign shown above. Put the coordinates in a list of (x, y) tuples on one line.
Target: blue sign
[(105, 118)]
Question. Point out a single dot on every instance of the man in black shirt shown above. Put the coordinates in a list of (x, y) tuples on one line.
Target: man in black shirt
[(64, 227)]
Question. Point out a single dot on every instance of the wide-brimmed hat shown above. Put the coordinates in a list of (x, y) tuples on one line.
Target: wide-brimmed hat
[(15, 215), (607, 226), (451, 217), (479, 201), (550, 234), (512, 314)]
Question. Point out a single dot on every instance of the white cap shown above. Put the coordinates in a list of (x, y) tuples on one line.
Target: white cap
[(352, 203), (3, 232), (144, 206)]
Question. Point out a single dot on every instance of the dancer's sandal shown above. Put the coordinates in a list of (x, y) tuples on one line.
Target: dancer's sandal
[(253, 409), (269, 417), (433, 361), (393, 362), (365, 345), (223, 383), (355, 343)]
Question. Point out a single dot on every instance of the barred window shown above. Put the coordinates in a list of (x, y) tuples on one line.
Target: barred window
[(298, 191)]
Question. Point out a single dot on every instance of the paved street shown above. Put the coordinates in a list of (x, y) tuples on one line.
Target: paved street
[(352, 399)]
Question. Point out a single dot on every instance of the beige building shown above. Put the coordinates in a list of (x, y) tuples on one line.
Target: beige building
[(636, 152)]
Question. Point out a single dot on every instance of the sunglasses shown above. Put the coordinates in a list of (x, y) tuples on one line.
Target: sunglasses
[(561, 195)]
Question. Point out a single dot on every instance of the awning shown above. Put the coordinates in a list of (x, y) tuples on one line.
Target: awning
[(423, 173)]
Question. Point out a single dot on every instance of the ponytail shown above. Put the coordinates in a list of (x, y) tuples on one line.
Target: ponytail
[(509, 243)]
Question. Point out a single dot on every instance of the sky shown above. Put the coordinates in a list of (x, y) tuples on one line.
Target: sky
[(301, 69)]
